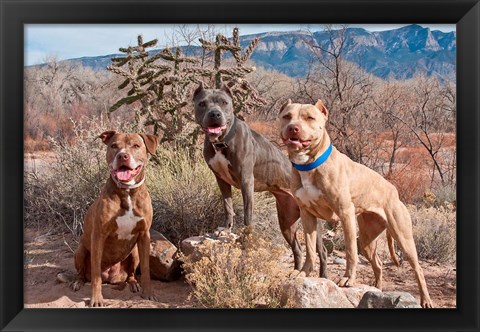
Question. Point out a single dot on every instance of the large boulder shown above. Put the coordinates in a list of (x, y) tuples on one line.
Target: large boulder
[(388, 300), (310, 292), (164, 264)]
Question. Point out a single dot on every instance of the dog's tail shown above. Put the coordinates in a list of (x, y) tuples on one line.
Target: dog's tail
[(391, 248)]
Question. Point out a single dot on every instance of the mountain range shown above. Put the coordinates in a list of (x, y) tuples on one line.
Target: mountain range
[(399, 53)]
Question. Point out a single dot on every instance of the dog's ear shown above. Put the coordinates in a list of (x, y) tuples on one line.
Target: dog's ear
[(105, 136), (198, 89), (151, 142), (288, 102), (227, 90), (321, 107)]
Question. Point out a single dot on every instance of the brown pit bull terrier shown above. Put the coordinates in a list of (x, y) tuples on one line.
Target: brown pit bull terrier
[(116, 227), (329, 185)]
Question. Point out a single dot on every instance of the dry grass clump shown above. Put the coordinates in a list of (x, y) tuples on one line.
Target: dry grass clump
[(185, 196), (434, 231), (242, 274), (59, 192)]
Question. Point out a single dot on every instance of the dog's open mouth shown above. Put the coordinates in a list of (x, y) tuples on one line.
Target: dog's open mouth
[(296, 142), (214, 130), (125, 173)]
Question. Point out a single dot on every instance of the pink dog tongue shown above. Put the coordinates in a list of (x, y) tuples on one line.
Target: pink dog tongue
[(214, 130), (124, 175)]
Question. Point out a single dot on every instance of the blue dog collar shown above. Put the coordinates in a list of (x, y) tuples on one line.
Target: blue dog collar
[(320, 160)]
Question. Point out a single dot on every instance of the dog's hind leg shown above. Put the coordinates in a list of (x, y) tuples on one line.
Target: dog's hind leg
[(370, 226), (288, 214), (399, 225), (321, 250), (82, 259)]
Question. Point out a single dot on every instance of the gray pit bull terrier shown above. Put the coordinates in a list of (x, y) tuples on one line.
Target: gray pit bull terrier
[(241, 157)]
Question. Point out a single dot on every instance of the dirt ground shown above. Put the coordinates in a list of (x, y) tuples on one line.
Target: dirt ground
[(45, 255)]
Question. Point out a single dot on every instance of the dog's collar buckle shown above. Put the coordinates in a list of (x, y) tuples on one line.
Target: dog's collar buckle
[(319, 161), (220, 146)]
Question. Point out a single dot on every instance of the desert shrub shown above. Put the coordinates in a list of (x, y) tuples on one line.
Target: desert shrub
[(60, 192), (434, 232), (242, 274), (410, 182), (185, 196), (445, 195)]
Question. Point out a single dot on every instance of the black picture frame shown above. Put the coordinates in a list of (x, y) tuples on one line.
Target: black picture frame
[(14, 14)]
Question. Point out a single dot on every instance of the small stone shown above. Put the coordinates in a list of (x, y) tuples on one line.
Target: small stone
[(339, 261), (164, 264), (388, 300)]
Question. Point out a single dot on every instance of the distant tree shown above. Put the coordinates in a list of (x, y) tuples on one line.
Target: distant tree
[(428, 116), (388, 102), (345, 89)]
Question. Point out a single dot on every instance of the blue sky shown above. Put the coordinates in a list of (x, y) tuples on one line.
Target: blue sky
[(68, 41)]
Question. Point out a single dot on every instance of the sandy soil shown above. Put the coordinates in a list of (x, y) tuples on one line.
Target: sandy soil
[(48, 254)]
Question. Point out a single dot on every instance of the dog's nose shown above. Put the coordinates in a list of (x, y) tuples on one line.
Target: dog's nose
[(294, 129), (215, 115), (123, 156)]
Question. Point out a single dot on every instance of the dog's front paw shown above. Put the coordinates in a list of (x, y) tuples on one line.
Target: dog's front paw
[(96, 301), (76, 285), (426, 303), (297, 274), (346, 282), (222, 231), (134, 286), (149, 296)]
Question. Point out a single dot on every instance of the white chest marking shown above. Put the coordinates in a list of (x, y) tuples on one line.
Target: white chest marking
[(308, 194), (300, 158), (127, 223), (220, 165)]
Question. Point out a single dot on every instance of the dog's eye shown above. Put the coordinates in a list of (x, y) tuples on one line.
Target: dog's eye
[(202, 104), (287, 117), (136, 146), (114, 146), (224, 102), (310, 118)]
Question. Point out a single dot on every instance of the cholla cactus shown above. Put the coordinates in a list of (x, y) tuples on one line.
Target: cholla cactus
[(246, 98), (162, 84), (160, 88)]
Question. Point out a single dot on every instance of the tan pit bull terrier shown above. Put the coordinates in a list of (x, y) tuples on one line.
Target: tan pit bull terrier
[(116, 227), (329, 185)]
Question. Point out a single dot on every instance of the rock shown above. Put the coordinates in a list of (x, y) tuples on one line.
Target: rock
[(312, 292), (355, 294), (190, 245), (339, 261), (388, 300), (164, 264)]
